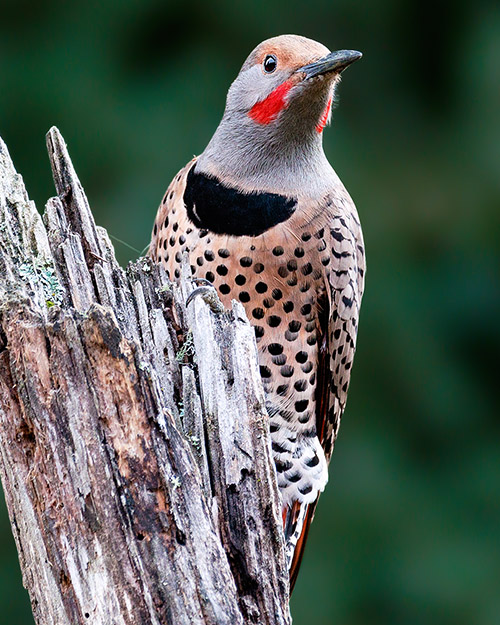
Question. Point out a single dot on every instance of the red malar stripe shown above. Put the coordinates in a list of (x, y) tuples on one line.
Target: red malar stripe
[(324, 118), (265, 111)]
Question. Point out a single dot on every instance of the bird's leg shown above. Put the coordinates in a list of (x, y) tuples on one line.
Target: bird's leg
[(208, 293)]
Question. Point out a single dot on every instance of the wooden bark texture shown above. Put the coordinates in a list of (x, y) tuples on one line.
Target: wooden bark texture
[(134, 448)]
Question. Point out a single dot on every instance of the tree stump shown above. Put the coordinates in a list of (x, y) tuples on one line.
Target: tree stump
[(134, 445)]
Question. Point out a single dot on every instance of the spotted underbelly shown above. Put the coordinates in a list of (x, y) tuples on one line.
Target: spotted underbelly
[(279, 289)]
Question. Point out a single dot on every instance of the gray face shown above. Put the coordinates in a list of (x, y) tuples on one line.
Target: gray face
[(251, 86), (276, 66), (269, 137)]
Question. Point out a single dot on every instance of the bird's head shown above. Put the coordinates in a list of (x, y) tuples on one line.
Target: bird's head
[(276, 111), (288, 80)]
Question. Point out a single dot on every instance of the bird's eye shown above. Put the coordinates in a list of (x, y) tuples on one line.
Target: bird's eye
[(270, 63)]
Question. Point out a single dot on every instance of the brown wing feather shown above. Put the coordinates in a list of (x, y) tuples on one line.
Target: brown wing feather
[(338, 323)]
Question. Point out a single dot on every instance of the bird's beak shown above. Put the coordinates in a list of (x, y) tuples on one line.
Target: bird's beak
[(333, 62)]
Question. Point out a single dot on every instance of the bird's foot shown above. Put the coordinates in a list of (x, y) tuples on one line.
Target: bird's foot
[(208, 294)]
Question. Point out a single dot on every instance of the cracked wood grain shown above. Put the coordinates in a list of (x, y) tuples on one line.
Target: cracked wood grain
[(134, 448)]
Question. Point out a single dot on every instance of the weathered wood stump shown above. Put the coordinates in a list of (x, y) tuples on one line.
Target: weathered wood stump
[(133, 437)]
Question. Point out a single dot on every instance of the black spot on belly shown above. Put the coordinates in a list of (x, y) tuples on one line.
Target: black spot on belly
[(279, 360), (301, 357), (275, 349), (225, 210), (265, 372), (283, 466), (312, 462), (300, 385), (282, 389), (274, 321), (259, 331), (301, 405), (305, 490)]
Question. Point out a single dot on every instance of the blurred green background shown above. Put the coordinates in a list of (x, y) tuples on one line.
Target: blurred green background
[(408, 531)]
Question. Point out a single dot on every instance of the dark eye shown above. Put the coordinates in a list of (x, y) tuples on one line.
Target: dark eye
[(270, 63)]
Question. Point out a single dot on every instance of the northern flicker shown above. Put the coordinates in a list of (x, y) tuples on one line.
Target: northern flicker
[(266, 220)]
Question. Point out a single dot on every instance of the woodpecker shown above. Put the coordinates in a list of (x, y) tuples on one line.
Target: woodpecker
[(266, 220)]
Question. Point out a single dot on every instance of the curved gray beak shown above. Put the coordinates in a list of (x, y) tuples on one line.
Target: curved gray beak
[(333, 62)]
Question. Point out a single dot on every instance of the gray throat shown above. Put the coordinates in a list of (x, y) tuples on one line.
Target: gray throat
[(285, 158)]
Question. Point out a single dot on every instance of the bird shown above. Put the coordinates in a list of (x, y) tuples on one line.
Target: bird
[(265, 220)]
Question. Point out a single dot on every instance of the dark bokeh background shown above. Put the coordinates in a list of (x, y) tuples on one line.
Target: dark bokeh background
[(409, 528)]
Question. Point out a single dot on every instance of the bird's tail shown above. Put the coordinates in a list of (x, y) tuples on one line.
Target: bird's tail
[(297, 518)]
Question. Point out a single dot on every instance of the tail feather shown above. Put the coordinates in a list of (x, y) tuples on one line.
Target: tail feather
[(296, 521), (300, 546)]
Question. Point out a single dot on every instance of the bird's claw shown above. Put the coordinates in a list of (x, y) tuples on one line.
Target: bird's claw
[(208, 294)]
